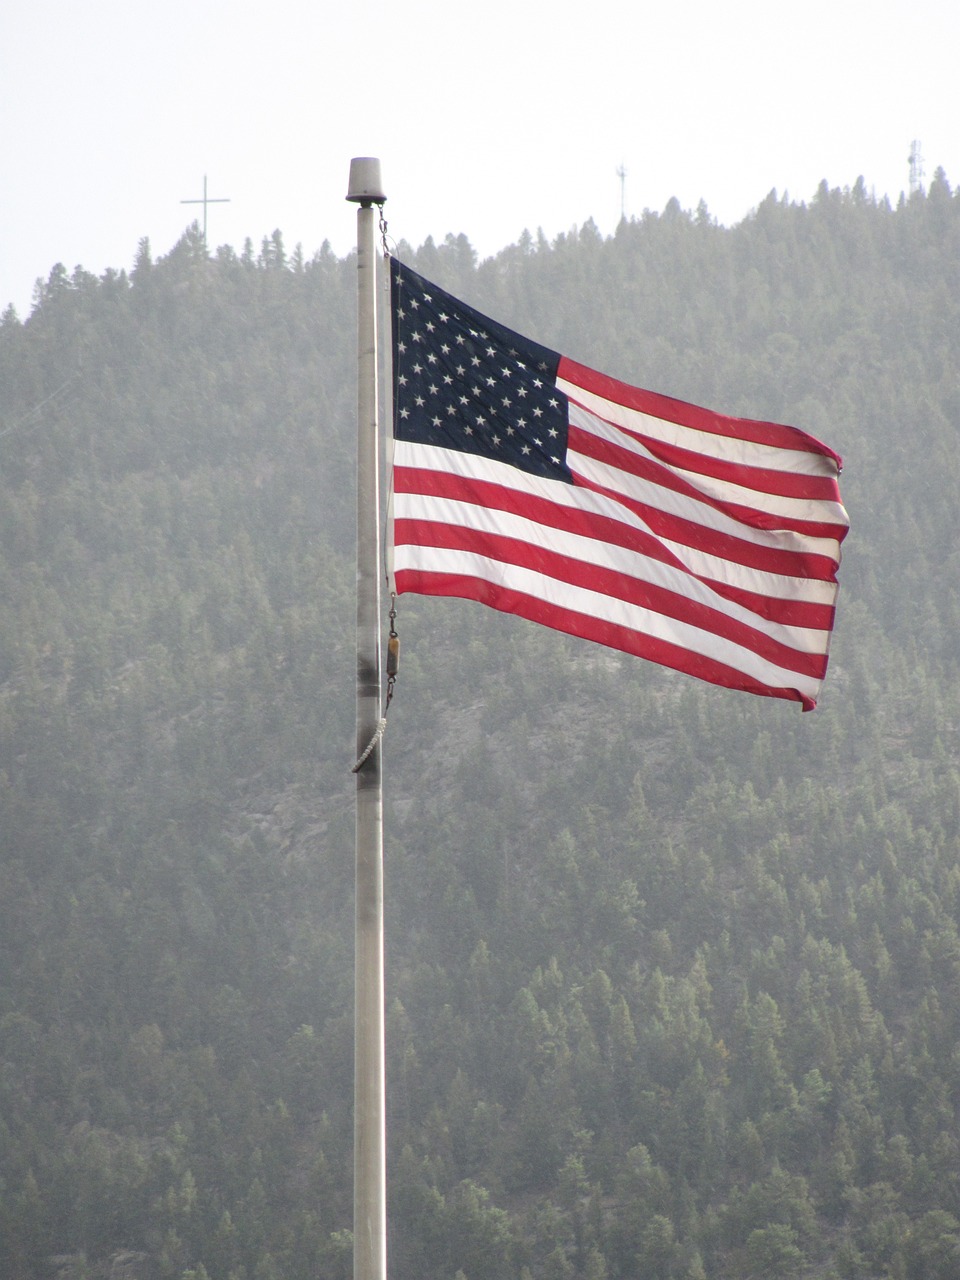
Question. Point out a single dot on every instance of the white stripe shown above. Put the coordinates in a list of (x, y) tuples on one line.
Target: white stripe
[(705, 565), (719, 490), (473, 466), (779, 586), (595, 605), (638, 489), (762, 581), (588, 551), (748, 453)]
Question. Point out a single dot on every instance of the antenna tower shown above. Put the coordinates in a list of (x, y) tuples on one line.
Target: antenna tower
[(622, 175), (916, 166)]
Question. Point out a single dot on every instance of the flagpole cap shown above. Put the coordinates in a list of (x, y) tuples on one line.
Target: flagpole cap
[(366, 185)]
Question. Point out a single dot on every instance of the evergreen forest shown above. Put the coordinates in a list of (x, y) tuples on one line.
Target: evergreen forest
[(673, 972)]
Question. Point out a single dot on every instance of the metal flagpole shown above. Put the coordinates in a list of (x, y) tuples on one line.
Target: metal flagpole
[(369, 1120)]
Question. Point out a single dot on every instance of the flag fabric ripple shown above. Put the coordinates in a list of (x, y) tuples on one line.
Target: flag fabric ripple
[(537, 486)]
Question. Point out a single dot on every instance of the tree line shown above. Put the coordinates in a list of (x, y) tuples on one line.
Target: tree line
[(672, 972)]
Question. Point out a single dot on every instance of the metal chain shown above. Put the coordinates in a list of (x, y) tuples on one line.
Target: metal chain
[(393, 643)]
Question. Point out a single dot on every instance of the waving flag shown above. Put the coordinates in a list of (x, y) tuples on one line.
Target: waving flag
[(528, 482)]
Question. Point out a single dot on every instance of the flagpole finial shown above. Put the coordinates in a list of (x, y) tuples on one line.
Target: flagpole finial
[(366, 185)]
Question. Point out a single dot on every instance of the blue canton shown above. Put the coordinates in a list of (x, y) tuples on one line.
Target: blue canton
[(463, 381)]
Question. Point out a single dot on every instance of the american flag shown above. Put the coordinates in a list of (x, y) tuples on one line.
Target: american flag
[(537, 486)]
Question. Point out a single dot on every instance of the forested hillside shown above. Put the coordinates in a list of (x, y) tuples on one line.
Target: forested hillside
[(673, 972)]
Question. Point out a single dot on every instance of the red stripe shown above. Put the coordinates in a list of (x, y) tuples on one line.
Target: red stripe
[(618, 586), (783, 484), (587, 628), (605, 451), (787, 611), (777, 434), (725, 546), (791, 613), (738, 551), (605, 530)]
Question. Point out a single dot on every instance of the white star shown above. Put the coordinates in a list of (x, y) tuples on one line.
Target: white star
[(537, 412), (521, 391), (415, 336), (537, 383), (525, 450), (553, 402), (414, 303), (404, 413), (419, 402), (433, 388), (436, 421), (430, 326)]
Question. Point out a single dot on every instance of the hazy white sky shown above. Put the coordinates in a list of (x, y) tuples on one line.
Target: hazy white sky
[(489, 118)]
